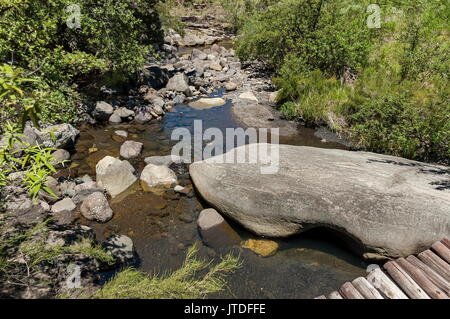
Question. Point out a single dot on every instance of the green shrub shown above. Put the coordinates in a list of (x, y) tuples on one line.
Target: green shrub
[(318, 33), (35, 38), (403, 120), (314, 99)]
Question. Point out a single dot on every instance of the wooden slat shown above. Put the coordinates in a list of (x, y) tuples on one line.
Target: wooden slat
[(366, 289), (437, 279), (442, 250), (349, 292), (385, 285), (321, 297), (421, 279), (435, 262), (405, 281), (446, 242), (335, 295)]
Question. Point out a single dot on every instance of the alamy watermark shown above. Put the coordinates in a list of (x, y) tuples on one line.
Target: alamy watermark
[(74, 19), (237, 145)]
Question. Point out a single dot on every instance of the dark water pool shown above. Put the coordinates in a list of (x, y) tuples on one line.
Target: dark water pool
[(163, 227)]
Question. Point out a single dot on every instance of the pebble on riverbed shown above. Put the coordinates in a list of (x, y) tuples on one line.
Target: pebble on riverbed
[(262, 247)]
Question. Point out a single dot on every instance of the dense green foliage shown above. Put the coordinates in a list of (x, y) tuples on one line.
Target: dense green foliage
[(181, 284), (42, 40), (385, 88)]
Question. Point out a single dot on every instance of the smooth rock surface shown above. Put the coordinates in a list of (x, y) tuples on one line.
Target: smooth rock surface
[(103, 111), (207, 103), (383, 205), (262, 247), (114, 175), (156, 176), (249, 96), (215, 230), (179, 83)]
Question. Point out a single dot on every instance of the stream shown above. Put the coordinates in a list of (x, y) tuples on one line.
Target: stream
[(163, 227)]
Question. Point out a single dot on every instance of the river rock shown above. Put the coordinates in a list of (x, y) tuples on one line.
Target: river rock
[(230, 86), (60, 157), (121, 248), (214, 229), (215, 66), (207, 103), (103, 111), (114, 175), (63, 212), (248, 96), (115, 119), (262, 247), (154, 76), (58, 136), (154, 176), (197, 54), (143, 117), (85, 189), (131, 149), (388, 206), (124, 113), (96, 207), (179, 83), (65, 204)]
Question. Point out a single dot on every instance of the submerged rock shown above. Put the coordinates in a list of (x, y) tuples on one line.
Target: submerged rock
[(262, 247), (214, 229), (385, 206), (155, 176), (114, 175), (121, 248), (131, 149)]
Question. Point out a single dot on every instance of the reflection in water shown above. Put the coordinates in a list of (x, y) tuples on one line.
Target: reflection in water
[(162, 227)]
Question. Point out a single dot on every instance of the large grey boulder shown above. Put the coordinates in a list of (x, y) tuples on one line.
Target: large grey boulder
[(179, 83), (386, 206), (96, 207), (114, 175)]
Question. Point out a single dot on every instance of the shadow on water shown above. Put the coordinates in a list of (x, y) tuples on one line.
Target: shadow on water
[(162, 227)]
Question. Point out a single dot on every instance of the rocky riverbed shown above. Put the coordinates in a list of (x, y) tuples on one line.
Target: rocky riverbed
[(119, 186)]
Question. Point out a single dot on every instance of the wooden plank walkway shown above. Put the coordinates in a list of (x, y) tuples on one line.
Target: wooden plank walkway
[(426, 276)]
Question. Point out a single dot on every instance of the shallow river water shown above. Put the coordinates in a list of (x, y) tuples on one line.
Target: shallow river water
[(163, 227)]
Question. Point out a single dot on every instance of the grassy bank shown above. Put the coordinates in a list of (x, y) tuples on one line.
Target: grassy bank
[(378, 74)]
